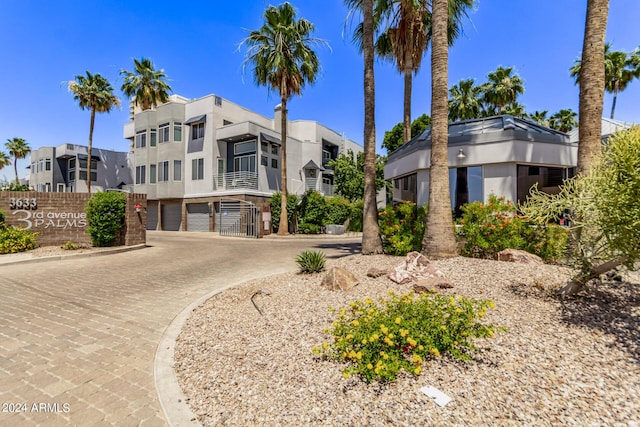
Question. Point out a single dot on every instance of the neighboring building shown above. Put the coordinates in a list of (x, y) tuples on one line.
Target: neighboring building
[(192, 155), (64, 169), (500, 155)]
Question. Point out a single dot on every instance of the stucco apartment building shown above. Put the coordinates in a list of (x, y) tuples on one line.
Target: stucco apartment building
[(202, 161), (64, 169)]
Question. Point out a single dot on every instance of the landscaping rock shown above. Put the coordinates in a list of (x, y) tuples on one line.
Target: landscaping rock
[(376, 272), (433, 283), (414, 267), (339, 279), (522, 257)]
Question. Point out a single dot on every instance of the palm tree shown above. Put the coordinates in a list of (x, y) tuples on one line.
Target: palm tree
[(540, 117), (592, 84), (620, 69), (145, 86), (515, 109), (465, 100), (564, 120), (95, 93), (18, 148), (503, 88), (4, 160), (283, 60), (439, 239)]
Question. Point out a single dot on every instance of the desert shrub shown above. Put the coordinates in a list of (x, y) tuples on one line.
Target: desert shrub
[(105, 214), (276, 209), (69, 246), (313, 209), (13, 240), (311, 261), (377, 340), (356, 216), (338, 210), (490, 228), (402, 228)]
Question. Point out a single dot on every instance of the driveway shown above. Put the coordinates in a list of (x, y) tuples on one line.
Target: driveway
[(78, 337)]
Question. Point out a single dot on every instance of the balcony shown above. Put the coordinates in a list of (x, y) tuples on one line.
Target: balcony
[(317, 185), (242, 180)]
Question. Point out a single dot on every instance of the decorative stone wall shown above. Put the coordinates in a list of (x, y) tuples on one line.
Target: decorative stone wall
[(61, 217)]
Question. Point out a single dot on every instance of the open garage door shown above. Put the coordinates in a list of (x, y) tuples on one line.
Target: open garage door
[(172, 217), (198, 217)]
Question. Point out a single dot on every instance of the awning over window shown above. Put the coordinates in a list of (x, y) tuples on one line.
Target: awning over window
[(271, 139), (312, 165), (196, 119), (85, 157)]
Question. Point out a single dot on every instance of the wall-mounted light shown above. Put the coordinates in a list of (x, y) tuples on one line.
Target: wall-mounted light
[(461, 154)]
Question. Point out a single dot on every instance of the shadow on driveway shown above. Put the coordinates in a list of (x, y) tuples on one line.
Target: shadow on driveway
[(342, 249)]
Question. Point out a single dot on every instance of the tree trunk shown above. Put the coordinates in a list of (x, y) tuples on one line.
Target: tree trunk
[(576, 285), (89, 147), (439, 239), (613, 106), (408, 85), (283, 227), (371, 243), (592, 81), (15, 167)]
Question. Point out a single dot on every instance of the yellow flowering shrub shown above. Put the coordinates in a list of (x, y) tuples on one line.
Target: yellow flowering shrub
[(403, 332)]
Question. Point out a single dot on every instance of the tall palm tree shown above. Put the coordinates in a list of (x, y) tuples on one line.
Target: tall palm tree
[(283, 59), (564, 120), (18, 148), (502, 88), (145, 86), (540, 117), (620, 69), (465, 101), (439, 239), (95, 93), (592, 84)]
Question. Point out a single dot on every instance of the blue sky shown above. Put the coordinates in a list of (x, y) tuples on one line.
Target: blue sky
[(46, 43)]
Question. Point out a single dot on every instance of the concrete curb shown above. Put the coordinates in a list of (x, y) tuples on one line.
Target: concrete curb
[(83, 255)]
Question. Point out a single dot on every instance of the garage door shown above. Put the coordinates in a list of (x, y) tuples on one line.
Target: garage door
[(152, 215), (171, 217), (198, 217)]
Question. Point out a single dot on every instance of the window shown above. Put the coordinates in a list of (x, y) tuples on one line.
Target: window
[(72, 169), (197, 169), (70, 147), (141, 139), (274, 149), (33, 167), (245, 163), (465, 186), (72, 176), (264, 147), (177, 131), (141, 172), (274, 163), (177, 170), (82, 176), (72, 163), (244, 147), (264, 160), (163, 171), (326, 156), (197, 130), (152, 137), (47, 187), (164, 133), (41, 165), (226, 122), (60, 188), (152, 174), (218, 101), (47, 164)]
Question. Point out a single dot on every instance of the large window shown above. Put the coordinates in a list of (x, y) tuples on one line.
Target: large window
[(197, 169), (164, 132), (153, 136), (548, 179), (244, 147), (177, 131), (47, 164), (245, 163), (465, 186), (141, 138), (163, 171), (197, 130), (177, 170), (152, 174), (141, 174), (405, 188)]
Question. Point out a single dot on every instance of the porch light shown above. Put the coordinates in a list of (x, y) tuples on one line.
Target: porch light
[(461, 154)]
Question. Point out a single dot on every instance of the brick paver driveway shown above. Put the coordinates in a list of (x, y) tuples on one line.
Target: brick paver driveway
[(78, 337)]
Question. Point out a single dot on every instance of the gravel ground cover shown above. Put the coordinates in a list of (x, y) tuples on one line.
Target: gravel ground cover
[(575, 362)]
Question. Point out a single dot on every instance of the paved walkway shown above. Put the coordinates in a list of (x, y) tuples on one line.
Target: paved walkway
[(78, 336)]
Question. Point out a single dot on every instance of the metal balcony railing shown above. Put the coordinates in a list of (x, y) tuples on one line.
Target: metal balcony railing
[(242, 180)]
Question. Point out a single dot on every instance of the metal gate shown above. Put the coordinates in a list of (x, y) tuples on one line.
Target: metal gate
[(238, 218)]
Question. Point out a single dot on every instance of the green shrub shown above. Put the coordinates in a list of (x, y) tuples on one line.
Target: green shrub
[(105, 214), (2, 217), (305, 228), (276, 209), (402, 228), (491, 228), (12, 186), (356, 216), (313, 209), (377, 340), (338, 210), (311, 261), (13, 240), (69, 246)]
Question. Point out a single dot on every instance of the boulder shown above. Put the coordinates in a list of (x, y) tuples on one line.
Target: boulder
[(414, 267), (376, 272), (522, 257), (339, 279)]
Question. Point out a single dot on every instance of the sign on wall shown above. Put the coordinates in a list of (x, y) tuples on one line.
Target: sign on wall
[(27, 215)]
